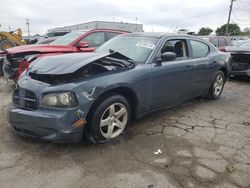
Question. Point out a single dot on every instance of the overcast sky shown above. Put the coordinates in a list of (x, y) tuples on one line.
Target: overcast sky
[(155, 15)]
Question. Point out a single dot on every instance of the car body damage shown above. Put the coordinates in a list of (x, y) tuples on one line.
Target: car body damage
[(240, 61), (70, 67), (61, 97)]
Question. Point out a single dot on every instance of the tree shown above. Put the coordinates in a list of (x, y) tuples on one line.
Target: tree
[(246, 31), (205, 31), (233, 29)]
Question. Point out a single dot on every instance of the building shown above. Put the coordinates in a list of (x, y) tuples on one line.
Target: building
[(131, 27)]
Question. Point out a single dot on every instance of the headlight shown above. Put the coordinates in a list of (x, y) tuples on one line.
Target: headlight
[(64, 99)]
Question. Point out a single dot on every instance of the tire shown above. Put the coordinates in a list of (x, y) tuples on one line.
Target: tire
[(217, 86), (108, 119), (4, 44)]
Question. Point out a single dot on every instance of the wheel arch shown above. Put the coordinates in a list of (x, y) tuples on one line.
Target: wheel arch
[(224, 70), (125, 91)]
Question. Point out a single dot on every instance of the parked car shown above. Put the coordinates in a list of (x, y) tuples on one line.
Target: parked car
[(47, 40), (239, 40), (240, 61), (52, 36), (17, 59), (56, 34), (61, 97), (219, 41)]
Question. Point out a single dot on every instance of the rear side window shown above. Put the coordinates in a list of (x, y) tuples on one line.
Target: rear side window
[(199, 49), (95, 39), (110, 35), (222, 42)]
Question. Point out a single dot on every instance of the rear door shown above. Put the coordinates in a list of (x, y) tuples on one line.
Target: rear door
[(200, 60), (172, 80)]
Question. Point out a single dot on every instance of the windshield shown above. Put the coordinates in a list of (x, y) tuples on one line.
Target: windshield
[(245, 45), (67, 39), (135, 48)]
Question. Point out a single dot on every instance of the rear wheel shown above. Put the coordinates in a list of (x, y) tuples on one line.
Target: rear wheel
[(109, 119), (5, 44), (217, 86)]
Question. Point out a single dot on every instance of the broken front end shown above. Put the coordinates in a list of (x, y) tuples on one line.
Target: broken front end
[(240, 64), (52, 102), (14, 65)]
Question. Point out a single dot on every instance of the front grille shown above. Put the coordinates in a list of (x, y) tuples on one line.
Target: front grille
[(25, 99)]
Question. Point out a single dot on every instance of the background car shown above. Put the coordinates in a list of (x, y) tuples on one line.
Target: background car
[(46, 40), (219, 41), (128, 76), (240, 61), (17, 59)]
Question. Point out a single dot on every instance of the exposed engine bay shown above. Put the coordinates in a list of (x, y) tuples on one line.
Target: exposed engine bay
[(97, 67)]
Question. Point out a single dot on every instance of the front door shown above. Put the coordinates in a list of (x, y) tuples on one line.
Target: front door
[(172, 81)]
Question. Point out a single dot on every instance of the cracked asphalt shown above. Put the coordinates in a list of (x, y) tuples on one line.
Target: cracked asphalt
[(203, 143)]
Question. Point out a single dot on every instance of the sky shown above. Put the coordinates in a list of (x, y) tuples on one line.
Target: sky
[(155, 15)]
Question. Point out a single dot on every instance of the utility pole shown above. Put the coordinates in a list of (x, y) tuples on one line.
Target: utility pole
[(229, 16), (28, 25)]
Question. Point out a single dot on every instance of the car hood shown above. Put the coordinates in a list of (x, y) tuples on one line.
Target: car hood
[(64, 64), (39, 48), (234, 49)]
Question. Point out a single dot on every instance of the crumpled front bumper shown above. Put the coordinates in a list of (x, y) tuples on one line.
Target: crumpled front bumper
[(53, 126)]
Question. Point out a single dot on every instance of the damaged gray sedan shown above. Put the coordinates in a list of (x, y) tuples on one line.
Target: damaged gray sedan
[(61, 97)]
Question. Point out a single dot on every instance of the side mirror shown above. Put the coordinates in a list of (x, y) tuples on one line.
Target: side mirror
[(83, 44), (168, 56)]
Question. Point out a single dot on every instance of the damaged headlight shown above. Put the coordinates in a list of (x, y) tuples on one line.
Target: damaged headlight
[(64, 99)]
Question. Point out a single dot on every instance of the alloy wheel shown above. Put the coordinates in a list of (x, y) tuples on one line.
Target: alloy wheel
[(218, 85), (114, 120)]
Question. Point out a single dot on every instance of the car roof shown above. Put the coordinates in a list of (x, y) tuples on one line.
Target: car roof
[(159, 35)]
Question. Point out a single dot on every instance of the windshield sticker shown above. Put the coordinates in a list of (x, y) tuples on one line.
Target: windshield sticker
[(145, 45)]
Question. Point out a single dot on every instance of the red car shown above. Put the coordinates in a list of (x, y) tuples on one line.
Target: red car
[(17, 59), (219, 41)]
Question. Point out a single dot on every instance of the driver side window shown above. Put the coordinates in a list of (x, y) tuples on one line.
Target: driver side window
[(178, 46), (95, 39)]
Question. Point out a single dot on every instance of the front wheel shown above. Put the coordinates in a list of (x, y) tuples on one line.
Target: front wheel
[(217, 86), (109, 119)]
